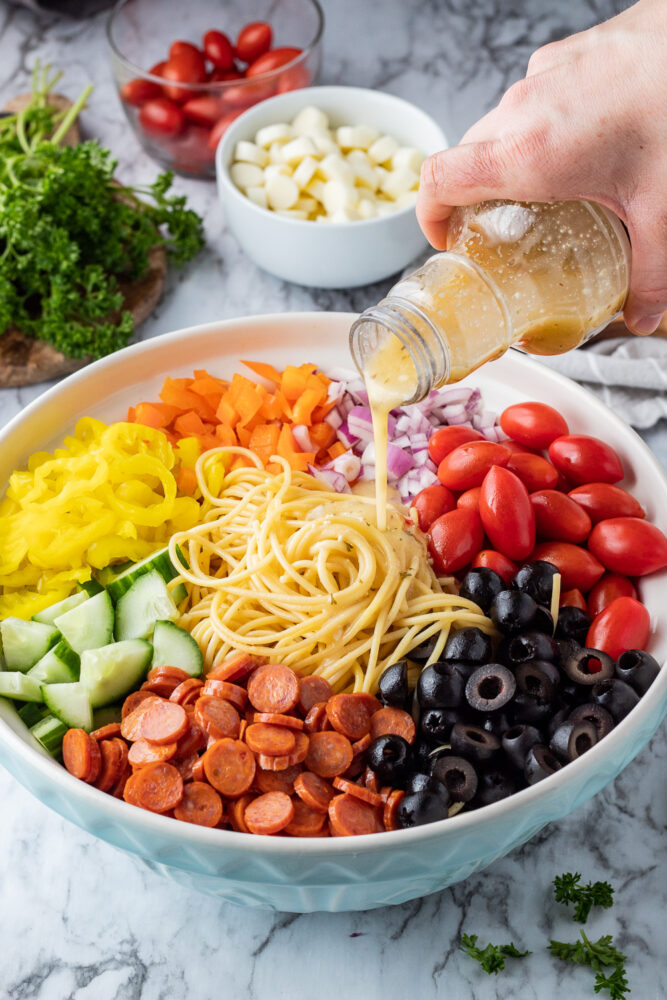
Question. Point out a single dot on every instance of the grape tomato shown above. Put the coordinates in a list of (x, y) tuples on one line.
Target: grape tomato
[(603, 500), (534, 425), (584, 459), (446, 439), (161, 116), (219, 50), (431, 502), (273, 59), (253, 41)]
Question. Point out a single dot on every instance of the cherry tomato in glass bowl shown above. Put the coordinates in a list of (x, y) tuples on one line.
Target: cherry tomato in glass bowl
[(204, 111), (184, 68), (446, 439), (584, 459), (137, 92), (180, 48), (161, 117), (507, 514), (624, 624), (606, 590), (467, 465), (629, 545), (221, 127), (431, 502), (534, 425), (273, 59), (294, 78), (253, 41), (603, 500), (454, 538), (496, 561), (219, 50)]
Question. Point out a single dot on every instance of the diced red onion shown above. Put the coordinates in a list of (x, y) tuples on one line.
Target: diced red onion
[(368, 454), (349, 465), (302, 437), (347, 439), (334, 480), (333, 418), (398, 462)]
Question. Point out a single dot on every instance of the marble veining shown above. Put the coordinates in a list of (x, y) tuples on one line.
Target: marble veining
[(82, 921)]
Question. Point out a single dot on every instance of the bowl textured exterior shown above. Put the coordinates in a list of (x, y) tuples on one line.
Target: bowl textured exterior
[(342, 873), (327, 255)]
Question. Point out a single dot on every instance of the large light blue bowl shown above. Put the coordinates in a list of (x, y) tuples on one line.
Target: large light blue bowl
[(354, 873)]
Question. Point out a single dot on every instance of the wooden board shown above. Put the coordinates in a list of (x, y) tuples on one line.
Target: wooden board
[(25, 360)]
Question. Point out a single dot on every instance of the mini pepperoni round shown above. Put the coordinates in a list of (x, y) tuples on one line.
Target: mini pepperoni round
[(133, 701), (301, 744), (235, 667), (289, 721), (163, 722), (370, 780), (156, 787), (198, 772), (187, 692), (193, 740), (106, 732), (230, 767), (314, 791), (349, 817), (217, 718), (277, 781), (163, 680), (390, 813), (371, 702), (362, 745), (238, 696), (112, 763), (130, 725), (269, 813), (236, 813), (158, 673), (329, 754), (185, 766), (313, 689), (119, 788), (273, 688), (271, 740), (305, 821), (393, 721), (316, 718), (142, 752), (81, 755), (349, 715), (200, 804), (355, 769), (365, 794)]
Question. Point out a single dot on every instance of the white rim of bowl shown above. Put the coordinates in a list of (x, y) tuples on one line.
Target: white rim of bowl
[(326, 846), (222, 171)]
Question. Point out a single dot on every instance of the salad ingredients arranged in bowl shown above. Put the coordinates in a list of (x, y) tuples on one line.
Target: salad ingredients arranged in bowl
[(209, 624)]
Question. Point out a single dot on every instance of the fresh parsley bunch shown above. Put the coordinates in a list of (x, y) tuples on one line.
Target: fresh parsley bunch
[(70, 235)]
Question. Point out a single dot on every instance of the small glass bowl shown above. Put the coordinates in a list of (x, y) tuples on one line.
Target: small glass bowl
[(181, 131)]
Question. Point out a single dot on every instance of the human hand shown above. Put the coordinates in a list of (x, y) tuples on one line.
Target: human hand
[(589, 121)]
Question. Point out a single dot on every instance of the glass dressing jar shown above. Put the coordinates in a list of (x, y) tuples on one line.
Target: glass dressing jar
[(541, 276)]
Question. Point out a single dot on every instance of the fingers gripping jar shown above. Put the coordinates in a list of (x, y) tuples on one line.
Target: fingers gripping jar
[(541, 276)]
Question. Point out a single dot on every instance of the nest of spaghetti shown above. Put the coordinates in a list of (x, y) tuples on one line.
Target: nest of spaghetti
[(282, 567)]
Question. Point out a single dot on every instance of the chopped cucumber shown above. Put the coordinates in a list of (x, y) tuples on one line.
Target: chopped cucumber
[(14, 684), (179, 593), (90, 625), (146, 602), (110, 573), (109, 713), (59, 666), (70, 704), (32, 712), (174, 647), (109, 673), (24, 643), (49, 731), (159, 562), (49, 615), (91, 587)]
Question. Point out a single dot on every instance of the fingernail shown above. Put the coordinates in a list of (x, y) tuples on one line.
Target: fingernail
[(647, 324)]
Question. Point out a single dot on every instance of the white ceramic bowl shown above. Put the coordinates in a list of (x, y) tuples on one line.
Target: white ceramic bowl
[(327, 255), (343, 873)]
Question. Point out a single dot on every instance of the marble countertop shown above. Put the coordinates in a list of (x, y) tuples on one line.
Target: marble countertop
[(81, 921)]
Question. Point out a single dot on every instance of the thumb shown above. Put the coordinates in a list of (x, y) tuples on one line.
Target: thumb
[(647, 300)]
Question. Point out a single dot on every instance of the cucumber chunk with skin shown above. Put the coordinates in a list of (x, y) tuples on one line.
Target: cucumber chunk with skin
[(49, 615), (24, 643), (107, 714), (20, 687), (146, 602), (32, 712), (174, 647), (112, 671), (49, 731), (91, 587), (59, 666), (90, 625), (159, 562), (69, 703)]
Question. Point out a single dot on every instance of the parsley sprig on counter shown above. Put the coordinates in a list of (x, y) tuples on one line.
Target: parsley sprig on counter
[(70, 235), (567, 889), (491, 958)]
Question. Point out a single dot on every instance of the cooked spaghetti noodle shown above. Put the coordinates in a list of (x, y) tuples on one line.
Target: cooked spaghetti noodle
[(284, 568)]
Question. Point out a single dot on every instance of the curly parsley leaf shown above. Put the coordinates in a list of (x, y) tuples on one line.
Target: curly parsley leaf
[(492, 957), (568, 889), (596, 954)]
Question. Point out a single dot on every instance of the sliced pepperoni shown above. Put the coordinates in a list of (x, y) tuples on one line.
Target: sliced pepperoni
[(301, 744), (112, 763), (365, 794), (314, 791), (187, 692), (273, 688), (370, 701), (176, 673), (200, 804), (142, 752), (156, 787), (198, 772), (235, 667), (370, 780), (329, 754), (390, 813), (271, 740), (185, 766), (316, 718), (269, 813), (163, 722), (81, 755), (362, 745), (238, 696), (283, 761), (393, 720), (133, 701), (349, 715), (217, 718), (242, 728), (311, 690), (277, 781), (236, 813), (119, 787), (193, 740), (130, 725), (163, 680), (349, 817), (305, 822), (106, 732), (289, 721), (230, 767), (355, 769)]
